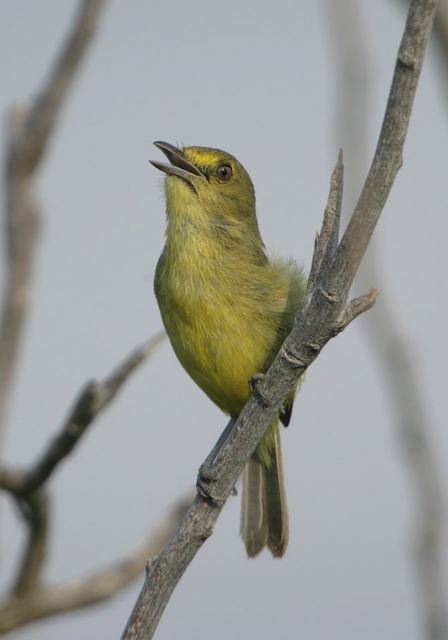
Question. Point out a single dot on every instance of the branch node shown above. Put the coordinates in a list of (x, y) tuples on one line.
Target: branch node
[(292, 359), (149, 565), (206, 533), (255, 384), (204, 488), (328, 296), (407, 60), (326, 242), (333, 268), (357, 306)]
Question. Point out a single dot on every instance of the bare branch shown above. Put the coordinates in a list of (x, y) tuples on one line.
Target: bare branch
[(357, 306), (399, 376), (31, 142), (92, 400), (51, 600), (412, 426), (30, 131), (441, 28), (27, 487), (22, 228), (440, 36), (388, 155), (35, 511), (328, 238), (317, 323)]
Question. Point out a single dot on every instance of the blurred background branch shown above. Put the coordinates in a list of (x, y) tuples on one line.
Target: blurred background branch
[(397, 366), (441, 36), (30, 129), (92, 400), (49, 600), (110, 110), (441, 27), (30, 598), (28, 486), (326, 312)]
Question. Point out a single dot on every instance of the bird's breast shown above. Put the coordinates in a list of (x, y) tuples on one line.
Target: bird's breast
[(218, 329)]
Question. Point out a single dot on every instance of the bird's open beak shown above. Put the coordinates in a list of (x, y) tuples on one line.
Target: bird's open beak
[(180, 166)]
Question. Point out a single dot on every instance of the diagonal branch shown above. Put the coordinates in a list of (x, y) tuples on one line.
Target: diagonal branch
[(327, 240), (440, 37), (323, 316), (441, 29), (32, 139), (35, 512), (28, 487), (388, 155), (399, 378), (91, 401), (30, 131), (51, 600)]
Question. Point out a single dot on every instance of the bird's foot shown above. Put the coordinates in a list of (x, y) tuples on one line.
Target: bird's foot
[(255, 384), (206, 483), (208, 479)]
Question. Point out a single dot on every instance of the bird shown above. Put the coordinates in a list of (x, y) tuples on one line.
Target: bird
[(227, 307)]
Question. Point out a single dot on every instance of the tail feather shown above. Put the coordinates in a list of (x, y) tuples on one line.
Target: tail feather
[(264, 513), (253, 513), (275, 502)]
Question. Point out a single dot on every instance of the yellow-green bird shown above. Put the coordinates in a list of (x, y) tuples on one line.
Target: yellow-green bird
[(227, 308)]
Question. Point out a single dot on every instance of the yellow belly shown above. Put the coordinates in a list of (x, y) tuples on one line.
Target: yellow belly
[(220, 348), (226, 323)]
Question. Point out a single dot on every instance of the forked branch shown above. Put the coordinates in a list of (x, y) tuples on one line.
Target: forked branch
[(28, 487), (51, 600), (325, 313), (390, 347), (30, 130)]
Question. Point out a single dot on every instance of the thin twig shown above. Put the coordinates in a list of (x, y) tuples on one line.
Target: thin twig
[(388, 157), (441, 29), (51, 600), (327, 239), (35, 511), (440, 38), (398, 376), (412, 425), (30, 130), (93, 399), (28, 487), (321, 318)]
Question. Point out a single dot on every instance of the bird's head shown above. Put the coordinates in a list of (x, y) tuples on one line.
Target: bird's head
[(210, 181)]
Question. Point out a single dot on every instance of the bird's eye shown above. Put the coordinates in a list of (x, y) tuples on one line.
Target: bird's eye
[(224, 172)]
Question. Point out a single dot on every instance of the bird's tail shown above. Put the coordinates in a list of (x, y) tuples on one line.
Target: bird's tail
[(264, 513)]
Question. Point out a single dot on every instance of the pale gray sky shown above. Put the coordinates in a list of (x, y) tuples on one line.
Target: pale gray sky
[(254, 78)]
